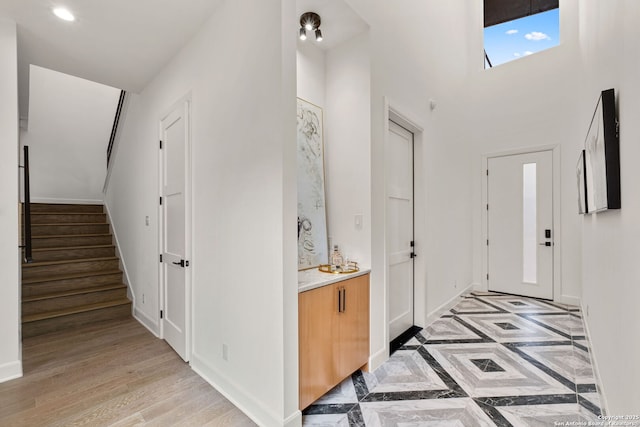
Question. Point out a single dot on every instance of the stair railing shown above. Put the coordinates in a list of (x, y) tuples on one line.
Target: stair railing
[(27, 209), (114, 128)]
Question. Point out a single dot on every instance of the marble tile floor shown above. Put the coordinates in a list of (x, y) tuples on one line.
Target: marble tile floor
[(492, 360)]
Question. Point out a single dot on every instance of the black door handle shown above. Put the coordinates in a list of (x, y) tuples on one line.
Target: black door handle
[(181, 263)]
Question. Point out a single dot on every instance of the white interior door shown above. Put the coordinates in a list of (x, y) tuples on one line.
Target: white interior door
[(175, 169), (399, 177), (520, 224)]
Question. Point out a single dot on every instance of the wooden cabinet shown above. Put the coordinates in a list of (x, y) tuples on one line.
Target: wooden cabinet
[(333, 335)]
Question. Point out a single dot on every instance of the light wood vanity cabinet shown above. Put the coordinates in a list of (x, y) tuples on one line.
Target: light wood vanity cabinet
[(333, 335)]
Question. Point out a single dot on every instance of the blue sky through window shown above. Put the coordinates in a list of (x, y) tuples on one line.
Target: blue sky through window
[(521, 37)]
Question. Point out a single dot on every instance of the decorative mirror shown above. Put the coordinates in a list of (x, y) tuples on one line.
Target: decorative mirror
[(313, 248)]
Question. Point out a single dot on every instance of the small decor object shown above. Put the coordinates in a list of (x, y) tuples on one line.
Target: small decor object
[(602, 157), (336, 257), (351, 267), (313, 247), (581, 177)]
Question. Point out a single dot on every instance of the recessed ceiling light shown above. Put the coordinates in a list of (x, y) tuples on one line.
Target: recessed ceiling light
[(64, 14)]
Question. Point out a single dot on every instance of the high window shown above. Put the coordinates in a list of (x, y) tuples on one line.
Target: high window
[(517, 28)]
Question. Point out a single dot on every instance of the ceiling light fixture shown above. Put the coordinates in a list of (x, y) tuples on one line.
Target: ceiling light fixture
[(64, 14), (310, 21)]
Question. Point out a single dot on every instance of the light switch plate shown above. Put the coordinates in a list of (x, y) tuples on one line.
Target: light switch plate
[(357, 221)]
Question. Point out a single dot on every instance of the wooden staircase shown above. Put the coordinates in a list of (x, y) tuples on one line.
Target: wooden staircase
[(75, 277)]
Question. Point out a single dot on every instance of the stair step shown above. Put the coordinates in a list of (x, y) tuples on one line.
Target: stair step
[(63, 282), (67, 217), (42, 323), (47, 269), (57, 241), (68, 300), (61, 207), (73, 252), (67, 229)]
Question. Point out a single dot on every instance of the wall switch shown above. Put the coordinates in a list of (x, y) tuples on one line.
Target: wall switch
[(146, 220), (225, 352), (357, 221)]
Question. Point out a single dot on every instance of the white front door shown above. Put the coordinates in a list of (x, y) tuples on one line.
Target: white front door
[(175, 169), (399, 177), (520, 224)]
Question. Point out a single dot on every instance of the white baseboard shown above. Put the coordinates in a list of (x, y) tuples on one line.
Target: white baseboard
[(294, 420), (596, 372), (378, 358), (435, 314), (10, 371), (569, 300), (478, 287), (67, 201), (146, 321), (243, 400)]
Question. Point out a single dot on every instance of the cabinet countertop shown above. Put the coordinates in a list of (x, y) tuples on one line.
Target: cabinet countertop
[(314, 278)]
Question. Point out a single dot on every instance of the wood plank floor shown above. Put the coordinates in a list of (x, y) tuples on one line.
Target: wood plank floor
[(117, 374)]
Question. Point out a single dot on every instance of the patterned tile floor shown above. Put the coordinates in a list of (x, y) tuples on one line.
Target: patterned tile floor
[(492, 360)]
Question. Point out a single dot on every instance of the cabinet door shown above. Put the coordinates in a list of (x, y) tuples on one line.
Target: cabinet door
[(353, 326), (317, 312)]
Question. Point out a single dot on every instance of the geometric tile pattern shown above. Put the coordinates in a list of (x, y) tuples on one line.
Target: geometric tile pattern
[(492, 360)]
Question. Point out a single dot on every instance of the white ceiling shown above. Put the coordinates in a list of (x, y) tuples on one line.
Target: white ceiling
[(339, 21), (120, 43), (124, 43)]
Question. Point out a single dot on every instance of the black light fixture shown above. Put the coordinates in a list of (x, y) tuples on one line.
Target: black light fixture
[(310, 21)]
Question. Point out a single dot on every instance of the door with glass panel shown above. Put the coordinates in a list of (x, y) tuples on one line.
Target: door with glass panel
[(520, 224)]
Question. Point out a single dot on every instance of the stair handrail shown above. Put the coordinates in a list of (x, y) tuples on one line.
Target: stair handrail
[(27, 209), (114, 128)]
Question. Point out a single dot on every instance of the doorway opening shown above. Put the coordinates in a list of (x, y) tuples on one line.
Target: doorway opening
[(521, 223), (400, 229), (175, 228)]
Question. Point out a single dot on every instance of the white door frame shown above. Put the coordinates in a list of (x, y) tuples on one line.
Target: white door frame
[(398, 114), (184, 102), (557, 217)]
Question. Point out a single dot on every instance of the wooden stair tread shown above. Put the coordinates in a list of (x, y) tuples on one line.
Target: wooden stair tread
[(65, 276), (72, 292), (58, 236), (68, 248), (56, 224), (66, 213), (78, 309), (66, 261)]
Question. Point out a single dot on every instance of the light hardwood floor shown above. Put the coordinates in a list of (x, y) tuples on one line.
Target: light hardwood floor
[(110, 375)]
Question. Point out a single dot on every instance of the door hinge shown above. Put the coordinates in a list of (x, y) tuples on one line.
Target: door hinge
[(487, 172), (161, 314), (160, 257), (412, 243), (487, 206), (487, 242), (413, 255), (487, 276), (161, 200), (161, 144)]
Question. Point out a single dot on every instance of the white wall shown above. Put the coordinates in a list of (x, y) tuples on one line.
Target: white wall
[(242, 87), (338, 80), (10, 351), (70, 121), (409, 69), (531, 102), (348, 147), (611, 240)]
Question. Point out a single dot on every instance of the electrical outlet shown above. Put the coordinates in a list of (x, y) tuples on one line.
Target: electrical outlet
[(143, 298), (225, 352), (146, 220)]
